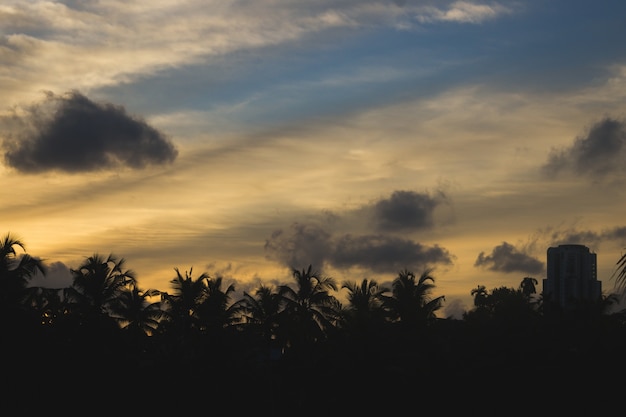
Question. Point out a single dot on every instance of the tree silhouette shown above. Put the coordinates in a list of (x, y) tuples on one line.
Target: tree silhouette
[(216, 311), (365, 304), (181, 323), (260, 314), (138, 318), (291, 346), (365, 324), (480, 296), (309, 311), (97, 283), (528, 286), (135, 312), (620, 275), (411, 302), (16, 272), (19, 319)]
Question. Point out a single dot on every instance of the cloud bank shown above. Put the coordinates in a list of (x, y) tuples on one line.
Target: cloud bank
[(379, 250)]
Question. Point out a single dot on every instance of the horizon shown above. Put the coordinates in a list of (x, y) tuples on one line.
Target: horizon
[(59, 276)]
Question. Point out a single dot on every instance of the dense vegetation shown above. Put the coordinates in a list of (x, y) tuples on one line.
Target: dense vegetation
[(294, 349)]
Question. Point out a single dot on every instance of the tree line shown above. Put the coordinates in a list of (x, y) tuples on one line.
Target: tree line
[(279, 340)]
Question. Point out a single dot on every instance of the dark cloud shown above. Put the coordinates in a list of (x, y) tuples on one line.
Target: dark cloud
[(616, 233), (304, 245), (574, 237), (601, 152), (587, 237), (385, 253), (71, 133), (407, 210), (311, 244), (506, 258)]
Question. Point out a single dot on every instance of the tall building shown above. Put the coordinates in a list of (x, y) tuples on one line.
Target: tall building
[(571, 276)]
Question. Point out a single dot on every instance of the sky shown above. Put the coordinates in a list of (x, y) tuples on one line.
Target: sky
[(246, 139)]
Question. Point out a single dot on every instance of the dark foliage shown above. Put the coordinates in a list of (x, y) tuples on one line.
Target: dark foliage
[(104, 345)]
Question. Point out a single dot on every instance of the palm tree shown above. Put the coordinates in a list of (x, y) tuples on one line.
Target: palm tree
[(410, 302), (365, 302), (135, 312), (620, 275), (528, 286), (216, 311), (96, 284), (261, 311), (139, 318), (182, 305), (365, 320), (16, 272), (310, 311), (480, 296), (482, 309)]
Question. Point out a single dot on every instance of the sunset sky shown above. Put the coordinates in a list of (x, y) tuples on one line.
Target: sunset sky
[(247, 138)]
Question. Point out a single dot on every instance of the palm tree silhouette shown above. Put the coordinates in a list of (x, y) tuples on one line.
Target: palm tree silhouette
[(181, 322), (310, 311), (480, 295), (138, 318), (365, 303), (19, 317), (528, 286), (104, 321), (366, 323), (216, 311), (260, 312), (410, 302), (97, 283), (620, 275), (135, 312), (16, 272)]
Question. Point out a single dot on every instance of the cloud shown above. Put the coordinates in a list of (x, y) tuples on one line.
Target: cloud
[(463, 12), (597, 155), (364, 237), (382, 253), (455, 309), (506, 258), (466, 12), (58, 45), (587, 237), (311, 244), (618, 232), (307, 244), (72, 133), (407, 210)]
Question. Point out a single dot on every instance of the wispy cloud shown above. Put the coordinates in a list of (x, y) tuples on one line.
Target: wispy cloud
[(462, 12), (86, 45)]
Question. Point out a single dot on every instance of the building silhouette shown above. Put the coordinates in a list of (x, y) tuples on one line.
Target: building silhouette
[(571, 277)]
